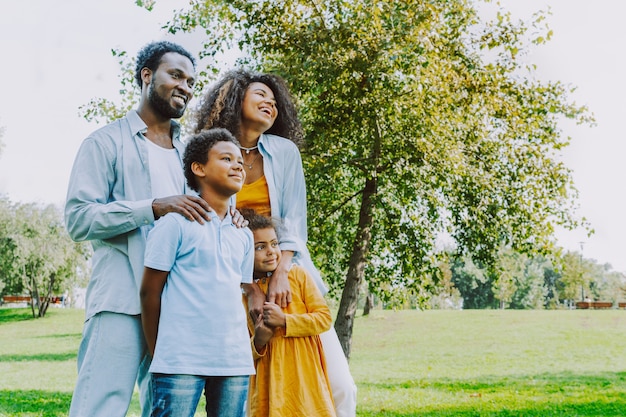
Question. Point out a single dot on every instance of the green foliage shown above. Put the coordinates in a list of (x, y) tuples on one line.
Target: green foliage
[(402, 92), (101, 109), (421, 121), (474, 283), (38, 257)]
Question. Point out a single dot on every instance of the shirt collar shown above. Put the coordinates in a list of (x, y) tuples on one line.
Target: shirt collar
[(137, 125)]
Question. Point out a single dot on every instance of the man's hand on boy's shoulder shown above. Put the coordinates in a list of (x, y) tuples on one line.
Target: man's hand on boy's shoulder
[(191, 207), (238, 219)]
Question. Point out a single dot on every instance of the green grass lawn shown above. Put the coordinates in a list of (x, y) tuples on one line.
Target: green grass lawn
[(405, 363)]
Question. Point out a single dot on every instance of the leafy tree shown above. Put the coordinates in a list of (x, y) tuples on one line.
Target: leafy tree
[(532, 291), (573, 284), (509, 271), (604, 283), (421, 119), (7, 244), (446, 296), (101, 109), (38, 257), (474, 283), (551, 281)]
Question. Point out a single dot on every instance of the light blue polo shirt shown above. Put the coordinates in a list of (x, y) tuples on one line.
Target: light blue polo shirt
[(203, 324)]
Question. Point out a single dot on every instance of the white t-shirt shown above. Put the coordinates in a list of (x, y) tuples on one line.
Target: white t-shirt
[(166, 171)]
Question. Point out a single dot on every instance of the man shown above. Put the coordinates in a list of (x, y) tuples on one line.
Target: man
[(125, 176)]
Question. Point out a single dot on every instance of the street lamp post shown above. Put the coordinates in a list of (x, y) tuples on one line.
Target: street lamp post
[(582, 277)]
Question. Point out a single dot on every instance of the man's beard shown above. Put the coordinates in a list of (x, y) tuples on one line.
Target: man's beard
[(162, 106)]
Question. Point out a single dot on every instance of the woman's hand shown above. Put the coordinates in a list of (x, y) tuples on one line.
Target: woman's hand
[(279, 291), (238, 219)]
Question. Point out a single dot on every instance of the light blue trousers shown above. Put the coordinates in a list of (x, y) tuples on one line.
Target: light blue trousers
[(111, 358)]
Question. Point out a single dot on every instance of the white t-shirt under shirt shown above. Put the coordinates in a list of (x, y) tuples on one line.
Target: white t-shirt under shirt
[(166, 171)]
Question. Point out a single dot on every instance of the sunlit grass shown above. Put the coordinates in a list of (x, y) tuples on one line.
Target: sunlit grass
[(405, 363)]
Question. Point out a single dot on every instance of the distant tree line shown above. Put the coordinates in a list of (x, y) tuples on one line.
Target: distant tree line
[(515, 281), (522, 282)]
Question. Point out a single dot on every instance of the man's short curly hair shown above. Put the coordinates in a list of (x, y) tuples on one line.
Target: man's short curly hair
[(197, 150), (150, 57), (222, 104)]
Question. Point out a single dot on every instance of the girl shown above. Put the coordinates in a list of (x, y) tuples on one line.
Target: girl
[(291, 377)]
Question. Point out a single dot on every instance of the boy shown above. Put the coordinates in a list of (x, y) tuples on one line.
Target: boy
[(193, 320)]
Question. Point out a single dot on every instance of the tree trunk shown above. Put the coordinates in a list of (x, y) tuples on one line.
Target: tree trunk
[(369, 304), (356, 269), (34, 296), (43, 308)]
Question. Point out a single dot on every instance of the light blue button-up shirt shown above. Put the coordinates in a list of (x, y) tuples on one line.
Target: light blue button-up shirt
[(282, 167), (109, 202)]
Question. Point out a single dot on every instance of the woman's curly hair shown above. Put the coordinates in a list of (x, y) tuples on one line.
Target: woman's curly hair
[(221, 106)]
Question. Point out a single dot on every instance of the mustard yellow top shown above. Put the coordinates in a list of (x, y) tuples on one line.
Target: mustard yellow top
[(291, 372), (255, 196)]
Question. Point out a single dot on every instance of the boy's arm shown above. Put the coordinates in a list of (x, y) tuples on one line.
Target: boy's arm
[(255, 298), (262, 335), (150, 294)]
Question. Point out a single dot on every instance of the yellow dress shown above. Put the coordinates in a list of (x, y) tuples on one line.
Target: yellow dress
[(291, 375), (255, 196)]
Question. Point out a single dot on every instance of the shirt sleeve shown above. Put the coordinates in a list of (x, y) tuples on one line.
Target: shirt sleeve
[(317, 318), (163, 243), (89, 212), (293, 208), (247, 267)]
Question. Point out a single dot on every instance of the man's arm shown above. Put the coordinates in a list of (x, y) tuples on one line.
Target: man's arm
[(92, 213), (150, 294)]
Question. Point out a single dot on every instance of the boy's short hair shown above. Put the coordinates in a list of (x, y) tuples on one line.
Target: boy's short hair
[(197, 150), (150, 57)]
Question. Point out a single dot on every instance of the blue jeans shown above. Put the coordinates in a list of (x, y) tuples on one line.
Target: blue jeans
[(178, 395)]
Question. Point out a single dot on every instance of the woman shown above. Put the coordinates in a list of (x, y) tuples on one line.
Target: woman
[(259, 110)]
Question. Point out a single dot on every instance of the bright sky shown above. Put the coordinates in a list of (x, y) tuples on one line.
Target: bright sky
[(57, 57)]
